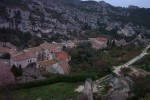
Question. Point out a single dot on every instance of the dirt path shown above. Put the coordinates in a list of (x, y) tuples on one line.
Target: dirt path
[(117, 68)]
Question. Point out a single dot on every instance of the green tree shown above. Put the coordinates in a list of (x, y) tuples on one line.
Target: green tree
[(141, 87), (125, 71), (113, 43), (17, 71), (108, 43), (20, 70)]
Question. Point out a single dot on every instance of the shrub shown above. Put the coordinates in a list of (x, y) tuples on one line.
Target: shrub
[(58, 78), (17, 71)]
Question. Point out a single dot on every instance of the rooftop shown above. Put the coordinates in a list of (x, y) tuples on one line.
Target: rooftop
[(24, 55), (4, 49), (7, 44), (47, 62), (65, 67), (49, 46), (62, 55), (35, 49), (101, 39)]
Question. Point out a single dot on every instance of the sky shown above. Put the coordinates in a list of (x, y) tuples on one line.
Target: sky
[(126, 3)]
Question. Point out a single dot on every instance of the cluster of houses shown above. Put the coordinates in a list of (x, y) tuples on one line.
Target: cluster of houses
[(48, 57)]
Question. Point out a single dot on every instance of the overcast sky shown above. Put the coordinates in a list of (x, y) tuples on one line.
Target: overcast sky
[(126, 3)]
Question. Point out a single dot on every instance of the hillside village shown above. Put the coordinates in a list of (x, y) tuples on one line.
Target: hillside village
[(46, 58), (53, 58), (73, 50)]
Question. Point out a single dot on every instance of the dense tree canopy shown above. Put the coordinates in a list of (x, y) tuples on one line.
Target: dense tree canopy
[(19, 38), (85, 58)]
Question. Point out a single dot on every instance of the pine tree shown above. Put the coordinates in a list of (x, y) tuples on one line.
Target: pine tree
[(114, 43), (16, 71)]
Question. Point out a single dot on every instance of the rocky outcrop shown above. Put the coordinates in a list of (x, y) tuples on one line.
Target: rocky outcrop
[(64, 16), (126, 31)]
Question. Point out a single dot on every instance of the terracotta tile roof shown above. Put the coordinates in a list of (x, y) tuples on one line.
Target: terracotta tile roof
[(12, 51), (101, 39), (62, 55), (6, 76), (50, 46), (4, 49), (8, 50), (23, 56), (47, 62), (65, 66), (8, 45), (35, 49)]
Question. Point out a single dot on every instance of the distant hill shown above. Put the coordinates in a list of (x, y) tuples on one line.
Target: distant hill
[(72, 16)]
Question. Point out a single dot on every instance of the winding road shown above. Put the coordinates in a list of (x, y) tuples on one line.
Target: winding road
[(117, 68)]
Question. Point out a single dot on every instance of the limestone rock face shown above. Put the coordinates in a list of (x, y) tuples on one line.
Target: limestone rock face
[(64, 16), (126, 31)]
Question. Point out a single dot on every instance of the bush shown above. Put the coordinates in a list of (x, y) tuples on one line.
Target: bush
[(141, 87), (125, 71), (17, 71), (58, 78)]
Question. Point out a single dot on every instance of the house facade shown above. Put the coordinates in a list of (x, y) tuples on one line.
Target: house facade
[(51, 66), (23, 59)]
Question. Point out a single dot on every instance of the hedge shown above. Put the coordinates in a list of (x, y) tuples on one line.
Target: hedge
[(57, 79)]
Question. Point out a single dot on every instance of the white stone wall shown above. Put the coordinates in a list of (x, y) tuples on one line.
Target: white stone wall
[(23, 63), (48, 54)]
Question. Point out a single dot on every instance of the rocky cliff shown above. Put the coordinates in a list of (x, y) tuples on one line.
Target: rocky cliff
[(72, 16)]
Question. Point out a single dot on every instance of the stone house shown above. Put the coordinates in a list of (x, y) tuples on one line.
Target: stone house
[(69, 44), (63, 59), (4, 50), (7, 48), (51, 66), (23, 59), (49, 50), (43, 52), (65, 67), (99, 42), (57, 65)]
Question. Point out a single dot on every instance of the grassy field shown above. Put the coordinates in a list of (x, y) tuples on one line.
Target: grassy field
[(58, 91)]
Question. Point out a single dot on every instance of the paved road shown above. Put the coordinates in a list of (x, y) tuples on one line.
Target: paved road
[(117, 68)]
